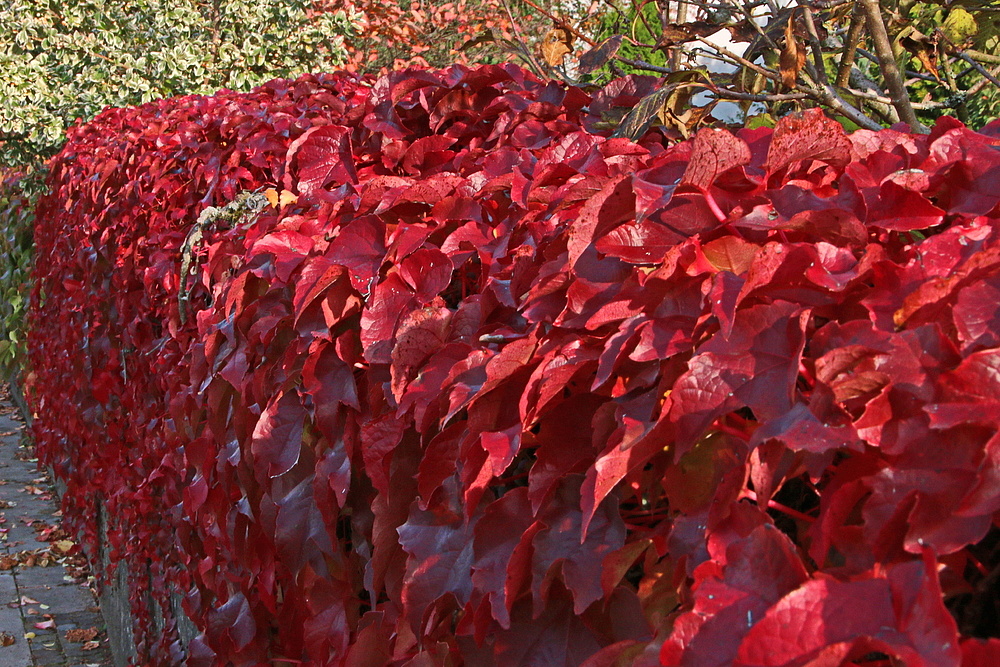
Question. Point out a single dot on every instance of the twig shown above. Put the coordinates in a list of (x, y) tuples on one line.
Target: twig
[(642, 64), (562, 23), (828, 4), (961, 108), (641, 15), (826, 94), (982, 83), (769, 73), (823, 94), (748, 15), (527, 55), (677, 52), (727, 94), (949, 103), (850, 48), (979, 68), (985, 57), (887, 62), (814, 44)]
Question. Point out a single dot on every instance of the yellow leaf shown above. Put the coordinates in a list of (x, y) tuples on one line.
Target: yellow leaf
[(287, 198), (272, 197), (63, 545), (960, 26)]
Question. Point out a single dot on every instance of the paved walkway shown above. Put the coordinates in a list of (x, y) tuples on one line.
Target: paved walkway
[(48, 613)]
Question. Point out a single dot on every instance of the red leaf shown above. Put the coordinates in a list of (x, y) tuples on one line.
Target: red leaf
[(756, 366), (713, 151), (562, 543), (506, 528), (300, 533), (331, 383), (904, 615), (321, 155), (732, 596), (379, 437), (277, 439), (980, 652), (289, 250), (317, 275), (809, 135), (557, 637), (439, 562), (391, 300), (421, 333), (360, 248), (428, 271)]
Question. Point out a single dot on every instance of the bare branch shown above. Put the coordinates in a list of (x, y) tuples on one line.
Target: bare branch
[(985, 57), (858, 81), (979, 68), (769, 73), (828, 4), (814, 43), (677, 52), (950, 103), (728, 94), (642, 64), (824, 94), (524, 52), (850, 48), (831, 98), (982, 83), (887, 62)]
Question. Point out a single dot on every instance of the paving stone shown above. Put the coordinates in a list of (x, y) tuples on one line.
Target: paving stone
[(66, 604), (61, 601), (18, 654)]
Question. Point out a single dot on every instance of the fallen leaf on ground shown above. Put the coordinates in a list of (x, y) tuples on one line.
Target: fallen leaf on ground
[(6, 639), (90, 646), (81, 634)]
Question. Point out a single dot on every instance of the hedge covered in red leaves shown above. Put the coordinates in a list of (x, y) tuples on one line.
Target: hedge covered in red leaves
[(483, 386)]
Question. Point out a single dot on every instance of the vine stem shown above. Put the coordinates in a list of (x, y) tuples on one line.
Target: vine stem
[(784, 509)]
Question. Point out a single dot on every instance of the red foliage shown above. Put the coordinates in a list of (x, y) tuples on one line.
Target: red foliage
[(497, 390)]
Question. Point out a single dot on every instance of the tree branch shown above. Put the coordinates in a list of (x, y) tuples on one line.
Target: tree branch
[(985, 57), (979, 68), (814, 44), (887, 62), (850, 48)]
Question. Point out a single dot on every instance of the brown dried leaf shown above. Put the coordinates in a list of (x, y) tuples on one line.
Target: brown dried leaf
[(556, 44), (923, 48), (599, 56), (670, 104), (81, 634), (793, 55), (640, 118), (90, 646), (675, 34), (7, 639), (742, 31), (687, 122)]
